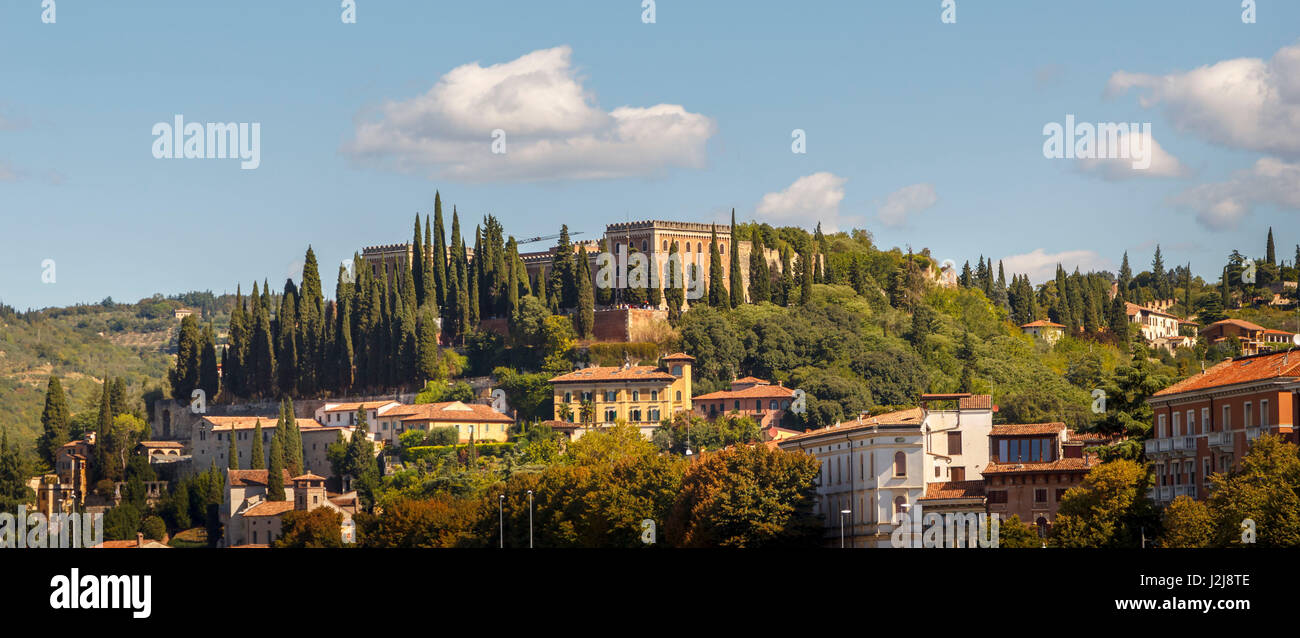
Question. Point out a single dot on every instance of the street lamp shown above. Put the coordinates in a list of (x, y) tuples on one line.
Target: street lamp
[(843, 513), (501, 517), (530, 519)]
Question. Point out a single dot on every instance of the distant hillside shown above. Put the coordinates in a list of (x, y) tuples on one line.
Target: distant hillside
[(81, 344)]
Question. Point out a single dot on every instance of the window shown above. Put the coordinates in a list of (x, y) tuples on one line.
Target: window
[(998, 496), (1263, 413), (737, 405), (1178, 429), (958, 474), (586, 396), (636, 395), (677, 372), (1205, 419), (954, 443), (654, 414), (1040, 495), (900, 464), (1060, 492), (1226, 424), (611, 415), (654, 395), (568, 397), (1191, 422), (900, 504), (771, 405), (1246, 414), (758, 405), (636, 415), (679, 395)]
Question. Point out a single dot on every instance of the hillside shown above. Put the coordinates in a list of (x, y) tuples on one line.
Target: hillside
[(81, 344)]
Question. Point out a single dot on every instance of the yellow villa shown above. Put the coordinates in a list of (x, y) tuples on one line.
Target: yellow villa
[(639, 395)]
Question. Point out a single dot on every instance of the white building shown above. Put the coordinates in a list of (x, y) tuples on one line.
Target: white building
[(346, 413), (876, 468), (210, 441)]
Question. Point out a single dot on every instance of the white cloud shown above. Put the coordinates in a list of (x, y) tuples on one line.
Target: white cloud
[(553, 127), (1244, 103), (1221, 205), (808, 200), (906, 201), (1041, 265), (1162, 163)]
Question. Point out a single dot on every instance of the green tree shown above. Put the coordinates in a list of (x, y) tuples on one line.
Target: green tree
[(275, 472), (14, 474), (747, 496), (321, 527), (258, 460), (760, 278), (232, 452), (584, 320), (1108, 510), (1266, 490), (718, 297), (1014, 533), (54, 421), (737, 286), (1187, 523)]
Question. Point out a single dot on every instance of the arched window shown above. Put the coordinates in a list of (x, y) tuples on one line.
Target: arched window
[(900, 464), (568, 396), (679, 395), (665, 245), (722, 249), (899, 504), (644, 246), (1042, 527), (636, 395), (699, 247)]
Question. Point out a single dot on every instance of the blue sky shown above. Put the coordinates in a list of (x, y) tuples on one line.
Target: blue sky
[(927, 134)]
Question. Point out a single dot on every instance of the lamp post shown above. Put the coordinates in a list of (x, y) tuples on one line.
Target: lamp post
[(530, 519), (843, 513), (501, 518)]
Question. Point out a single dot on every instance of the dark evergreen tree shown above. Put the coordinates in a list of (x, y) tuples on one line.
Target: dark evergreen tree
[(232, 450), (257, 460), (209, 376), (1269, 251), (735, 281), (441, 282), (54, 421), (584, 320), (759, 277), (718, 297), (189, 348), (275, 471)]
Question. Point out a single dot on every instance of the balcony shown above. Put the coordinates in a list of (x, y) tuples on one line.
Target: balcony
[(1222, 441), (1162, 494), (1253, 433), (1183, 490), (1184, 443), (1159, 446)]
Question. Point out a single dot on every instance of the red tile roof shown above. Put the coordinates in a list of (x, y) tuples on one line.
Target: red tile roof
[(680, 356), (352, 407), (953, 489), (911, 416), (1133, 309), (248, 478), (1042, 324), (1020, 429), (753, 392), (308, 477), (1240, 323), (1274, 365), (223, 423), (600, 373), (976, 402), (1059, 465), (269, 508), (455, 411)]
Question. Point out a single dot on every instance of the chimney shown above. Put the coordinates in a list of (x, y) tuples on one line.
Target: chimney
[(139, 539)]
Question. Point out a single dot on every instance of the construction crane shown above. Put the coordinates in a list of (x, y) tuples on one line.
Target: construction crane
[(544, 238)]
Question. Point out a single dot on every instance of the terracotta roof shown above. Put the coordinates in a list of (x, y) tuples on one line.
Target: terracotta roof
[(678, 356), (1087, 437), (251, 546), (1274, 365), (600, 373), (1270, 331), (308, 477), (753, 392), (954, 489), (1026, 428), (1042, 324), (749, 380), (162, 444), (1059, 465), (352, 407), (222, 423), (976, 402), (1240, 323), (149, 543), (910, 416), (269, 508), (248, 478), (456, 411), (1133, 309)]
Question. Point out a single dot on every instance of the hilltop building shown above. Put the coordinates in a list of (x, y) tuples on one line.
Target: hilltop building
[(640, 395), (748, 396)]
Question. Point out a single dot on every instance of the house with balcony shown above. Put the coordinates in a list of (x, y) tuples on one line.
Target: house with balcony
[(875, 468), (1253, 337), (766, 402), (1206, 423), (640, 395), (1152, 322)]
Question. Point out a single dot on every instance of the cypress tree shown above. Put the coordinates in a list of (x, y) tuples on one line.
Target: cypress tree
[(542, 283), (675, 293), (441, 282), (293, 454), (604, 294), (427, 367), (805, 279), (1270, 253), (232, 453), (564, 287), (718, 297), (209, 377), (1158, 269), (584, 320), (232, 364), (343, 345), (759, 277), (275, 472), (512, 279), (54, 421), (476, 282), (787, 278), (418, 263), (262, 353), (430, 286), (1125, 276), (287, 348), (734, 277), (966, 278), (189, 347), (309, 334), (258, 460)]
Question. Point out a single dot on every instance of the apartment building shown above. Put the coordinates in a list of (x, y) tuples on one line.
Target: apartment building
[(1032, 466), (1154, 324), (346, 413), (210, 441), (748, 396), (640, 395), (1205, 424), (874, 468)]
